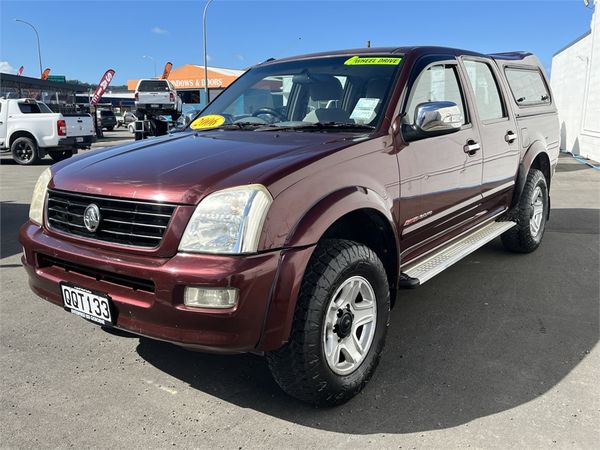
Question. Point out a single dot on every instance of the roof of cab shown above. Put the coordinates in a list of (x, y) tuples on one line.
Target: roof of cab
[(421, 50)]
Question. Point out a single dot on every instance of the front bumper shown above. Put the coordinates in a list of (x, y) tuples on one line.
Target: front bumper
[(160, 313)]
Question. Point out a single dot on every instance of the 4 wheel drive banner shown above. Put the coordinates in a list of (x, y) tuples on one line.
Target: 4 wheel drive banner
[(167, 71), (20, 71), (102, 86), (45, 74)]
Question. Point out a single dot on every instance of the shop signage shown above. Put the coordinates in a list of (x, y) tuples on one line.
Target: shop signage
[(57, 78)]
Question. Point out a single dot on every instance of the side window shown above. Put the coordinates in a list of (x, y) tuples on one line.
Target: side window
[(29, 108), (528, 86), (436, 83), (485, 88)]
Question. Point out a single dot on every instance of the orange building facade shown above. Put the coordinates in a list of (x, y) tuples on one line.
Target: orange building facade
[(189, 81)]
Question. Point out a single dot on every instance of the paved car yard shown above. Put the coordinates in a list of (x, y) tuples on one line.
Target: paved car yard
[(498, 351)]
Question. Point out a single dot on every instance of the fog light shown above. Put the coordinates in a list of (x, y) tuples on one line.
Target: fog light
[(202, 297)]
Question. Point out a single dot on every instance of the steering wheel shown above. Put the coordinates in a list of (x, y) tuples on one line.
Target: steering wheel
[(270, 111)]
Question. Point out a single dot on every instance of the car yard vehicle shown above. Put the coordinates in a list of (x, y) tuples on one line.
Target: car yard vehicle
[(155, 100), (285, 219), (157, 97), (106, 119), (126, 119), (30, 130)]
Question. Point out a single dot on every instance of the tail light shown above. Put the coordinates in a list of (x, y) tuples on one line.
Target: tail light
[(171, 96), (61, 127), (137, 96)]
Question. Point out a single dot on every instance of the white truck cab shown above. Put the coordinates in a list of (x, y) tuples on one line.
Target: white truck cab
[(30, 131)]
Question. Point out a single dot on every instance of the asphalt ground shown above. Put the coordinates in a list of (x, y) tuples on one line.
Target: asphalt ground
[(499, 351)]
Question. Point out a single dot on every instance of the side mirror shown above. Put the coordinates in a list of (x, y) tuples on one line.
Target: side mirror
[(434, 119)]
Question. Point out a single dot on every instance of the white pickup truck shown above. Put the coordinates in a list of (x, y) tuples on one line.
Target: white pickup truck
[(30, 131), (157, 98)]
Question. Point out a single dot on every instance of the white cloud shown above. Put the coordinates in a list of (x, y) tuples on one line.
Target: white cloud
[(5, 67), (159, 30), (208, 57), (239, 56)]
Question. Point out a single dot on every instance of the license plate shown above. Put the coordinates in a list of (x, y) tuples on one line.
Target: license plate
[(90, 305), (153, 106), (79, 139)]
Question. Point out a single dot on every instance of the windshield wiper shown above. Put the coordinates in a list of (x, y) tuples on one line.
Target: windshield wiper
[(246, 126), (318, 126)]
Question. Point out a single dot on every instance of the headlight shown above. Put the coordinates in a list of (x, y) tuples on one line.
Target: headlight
[(36, 210), (228, 221)]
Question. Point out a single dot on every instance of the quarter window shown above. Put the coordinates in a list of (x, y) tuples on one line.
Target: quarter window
[(485, 88), (29, 108), (528, 86), (435, 84)]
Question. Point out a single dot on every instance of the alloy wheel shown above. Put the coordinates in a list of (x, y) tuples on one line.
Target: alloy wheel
[(537, 212), (349, 326)]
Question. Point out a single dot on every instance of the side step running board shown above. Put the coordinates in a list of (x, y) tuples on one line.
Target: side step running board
[(421, 271)]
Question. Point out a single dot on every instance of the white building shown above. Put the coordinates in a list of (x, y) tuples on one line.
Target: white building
[(575, 80)]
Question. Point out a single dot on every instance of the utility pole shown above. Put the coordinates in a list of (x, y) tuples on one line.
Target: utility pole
[(38, 43), (205, 54)]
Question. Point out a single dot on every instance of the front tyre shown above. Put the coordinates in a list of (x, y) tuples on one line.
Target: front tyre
[(339, 327), (530, 214)]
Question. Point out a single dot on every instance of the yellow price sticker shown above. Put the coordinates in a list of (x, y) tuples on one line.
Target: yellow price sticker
[(369, 61), (205, 122)]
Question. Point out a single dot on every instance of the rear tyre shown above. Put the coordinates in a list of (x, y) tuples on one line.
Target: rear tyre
[(61, 155), (530, 214), (25, 151), (110, 128), (339, 327)]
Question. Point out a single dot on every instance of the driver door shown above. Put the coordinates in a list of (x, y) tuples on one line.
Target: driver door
[(440, 176)]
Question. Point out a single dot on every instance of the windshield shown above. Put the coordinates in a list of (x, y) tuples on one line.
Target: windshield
[(341, 92)]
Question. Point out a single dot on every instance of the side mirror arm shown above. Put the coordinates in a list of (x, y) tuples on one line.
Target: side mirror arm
[(397, 124)]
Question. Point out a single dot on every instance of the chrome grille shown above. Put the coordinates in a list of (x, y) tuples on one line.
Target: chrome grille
[(128, 222)]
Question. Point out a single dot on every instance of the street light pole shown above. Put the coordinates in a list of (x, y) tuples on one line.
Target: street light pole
[(153, 61), (38, 43), (205, 54)]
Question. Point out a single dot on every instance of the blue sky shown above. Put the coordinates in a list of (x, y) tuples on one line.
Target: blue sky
[(81, 39)]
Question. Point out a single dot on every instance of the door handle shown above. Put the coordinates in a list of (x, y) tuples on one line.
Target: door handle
[(510, 136), (471, 147)]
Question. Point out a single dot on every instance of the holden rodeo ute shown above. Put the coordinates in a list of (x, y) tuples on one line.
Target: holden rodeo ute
[(285, 218)]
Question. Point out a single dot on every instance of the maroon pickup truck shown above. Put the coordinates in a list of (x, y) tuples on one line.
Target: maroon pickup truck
[(287, 216)]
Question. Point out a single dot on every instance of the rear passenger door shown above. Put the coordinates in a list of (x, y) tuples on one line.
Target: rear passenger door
[(499, 143)]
